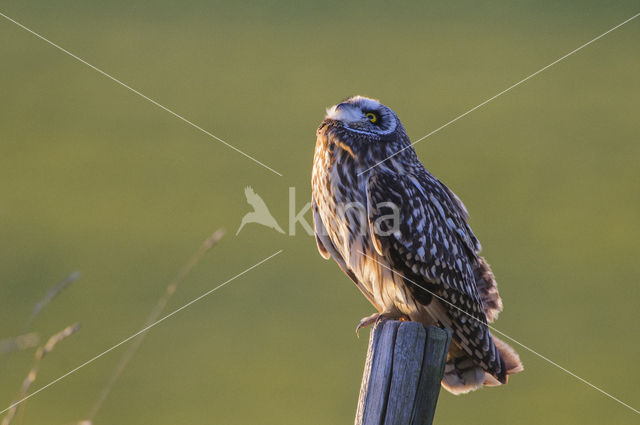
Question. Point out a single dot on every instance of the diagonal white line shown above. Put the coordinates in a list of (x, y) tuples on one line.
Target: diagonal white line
[(146, 328), (504, 91), (175, 114), (506, 336)]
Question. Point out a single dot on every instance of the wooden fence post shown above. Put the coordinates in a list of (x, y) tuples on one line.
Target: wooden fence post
[(402, 374)]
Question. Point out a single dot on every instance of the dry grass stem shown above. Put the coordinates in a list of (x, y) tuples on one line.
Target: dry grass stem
[(41, 352), (20, 342), (209, 243), (51, 294)]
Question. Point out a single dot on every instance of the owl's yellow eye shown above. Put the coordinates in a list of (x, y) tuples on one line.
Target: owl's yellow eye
[(372, 117)]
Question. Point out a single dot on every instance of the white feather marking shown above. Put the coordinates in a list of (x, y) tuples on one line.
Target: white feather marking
[(345, 112)]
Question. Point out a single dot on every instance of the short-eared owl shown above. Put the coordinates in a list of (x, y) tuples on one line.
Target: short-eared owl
[(402, 236)]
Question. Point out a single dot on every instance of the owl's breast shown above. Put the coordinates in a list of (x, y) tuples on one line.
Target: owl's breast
[(339, 193), (341, 200)]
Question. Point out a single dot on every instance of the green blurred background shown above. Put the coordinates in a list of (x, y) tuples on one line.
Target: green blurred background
[(94, 178)]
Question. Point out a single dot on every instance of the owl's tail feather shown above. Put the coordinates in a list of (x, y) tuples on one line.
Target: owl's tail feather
[(462, 375), (509, 356)]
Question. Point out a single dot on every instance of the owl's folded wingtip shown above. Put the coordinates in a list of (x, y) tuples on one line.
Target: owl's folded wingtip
[(509, 356)]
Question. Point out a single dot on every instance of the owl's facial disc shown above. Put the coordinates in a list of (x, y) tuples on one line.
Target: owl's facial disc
[(363, 115)]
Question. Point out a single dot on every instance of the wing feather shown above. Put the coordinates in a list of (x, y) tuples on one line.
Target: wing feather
[(423, 230), (322, 239)]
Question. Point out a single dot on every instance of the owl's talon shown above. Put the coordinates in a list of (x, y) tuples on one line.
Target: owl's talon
[(367, 321), (376, 318)]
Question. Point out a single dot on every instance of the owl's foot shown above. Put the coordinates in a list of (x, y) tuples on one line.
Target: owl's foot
[(377, 318)]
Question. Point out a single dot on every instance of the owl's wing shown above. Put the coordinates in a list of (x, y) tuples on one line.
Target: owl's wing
[(420, 227), (328, 250), (322, 238), (435, 250)]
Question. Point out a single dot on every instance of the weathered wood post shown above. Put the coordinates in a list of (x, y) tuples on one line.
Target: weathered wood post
[(402, 374)]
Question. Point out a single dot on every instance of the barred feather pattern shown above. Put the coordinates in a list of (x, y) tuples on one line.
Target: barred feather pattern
[(429, 268)]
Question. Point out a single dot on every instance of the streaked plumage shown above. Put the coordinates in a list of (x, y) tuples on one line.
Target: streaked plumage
[(431, 250)]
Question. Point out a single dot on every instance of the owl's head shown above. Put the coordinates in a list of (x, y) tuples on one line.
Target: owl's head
[(362, 115)]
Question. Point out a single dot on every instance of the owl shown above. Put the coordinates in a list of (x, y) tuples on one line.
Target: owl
[(402, 236)]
